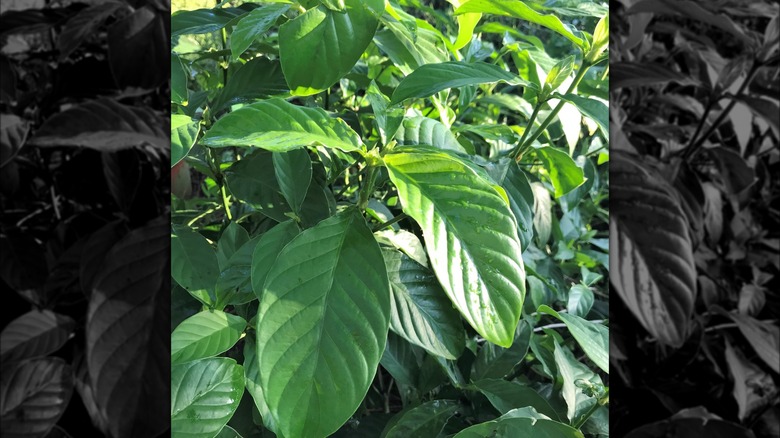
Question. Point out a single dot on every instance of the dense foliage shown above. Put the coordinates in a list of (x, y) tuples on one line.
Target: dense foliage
[(84, 219), (389, 219), (694, 221)]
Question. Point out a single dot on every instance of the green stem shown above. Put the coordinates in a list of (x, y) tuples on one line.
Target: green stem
[(391, 222), (587, 415), (220, 180), (529, 127), (367, 187), (577, 79)]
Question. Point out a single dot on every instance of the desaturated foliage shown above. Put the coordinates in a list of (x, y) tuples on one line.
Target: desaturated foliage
[(694, 222), (84, 219), (389, 219)]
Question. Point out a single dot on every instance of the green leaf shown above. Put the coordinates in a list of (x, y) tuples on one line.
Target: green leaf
[(694, 11), (426, 420), (592, 109), (253, 180), (410, 49), (507, 395), (184, 134), (268, 249), (592, 337), (429, 79), (252, 378), (573, 373), (518, 9), (421, 312), (233, 237), (473, 246), (496, 362), (279, 126), (205, 334), (643, 74), (202, 21), (179, 77), (520, 423), (320, 46), (563, 172), (559, 73), (259, 78), (521, 201), (542, 213), (204, 396), (193, 263), (34, 334), (580, 300), (293, 173), (425, 131), (322, 325), (388, 119), (253, 25), (234, 285), (334, 5), (400, 361)]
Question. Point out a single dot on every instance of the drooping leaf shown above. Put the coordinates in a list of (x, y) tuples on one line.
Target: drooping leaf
[(143, 34), (519, 9), (293, 173), (400, 360), (592, 109), (279, 126), (421, 312), (473, 245), (495, 362), (259, 78), (320, 46), (635, 74), (233, 237), (253, 25), (519, 423), (322, 325), (83, 25), (204, 395), (104, 125), (252, 381), (127, 331), (34, 394), (201, 21), (753, 387), (429, 79), (34, 334), (253, 180), (428, 419), (574, 374), (542, 213), (205, 334), (268, 249), (193, 263), (521, 201), (650, 250), (184, 133), (506, 395), (425, 131), (179, 80), (234, 284), (762, 336), (592, 337)]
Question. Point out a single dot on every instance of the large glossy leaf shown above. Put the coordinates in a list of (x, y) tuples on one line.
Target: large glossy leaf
[(518, 9), (204, 396), (425, 131), (320, 46), (506, 395), (253, 25), (128, 326), (193, 263), (33, 396), (429, 79), (184, 133), (322, 325), (471, 238), (426, 420), (592, 337), (651, 254), (517, 423), (257, 79), (205, 334), (34, 334), (105, 125), (279, 126), (421, 312)]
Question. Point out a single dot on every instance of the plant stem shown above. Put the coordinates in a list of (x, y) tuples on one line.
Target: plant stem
[(367, 187), (392, 221), (696, 143), (220, 180), (519, 151), (577, 79), (587, 415)]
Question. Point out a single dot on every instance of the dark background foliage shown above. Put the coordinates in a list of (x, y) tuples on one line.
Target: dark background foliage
[(694, 236), (84, 195)]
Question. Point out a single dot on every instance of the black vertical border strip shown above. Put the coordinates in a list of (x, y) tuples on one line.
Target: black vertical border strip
[(694, 226), (85, 218)]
